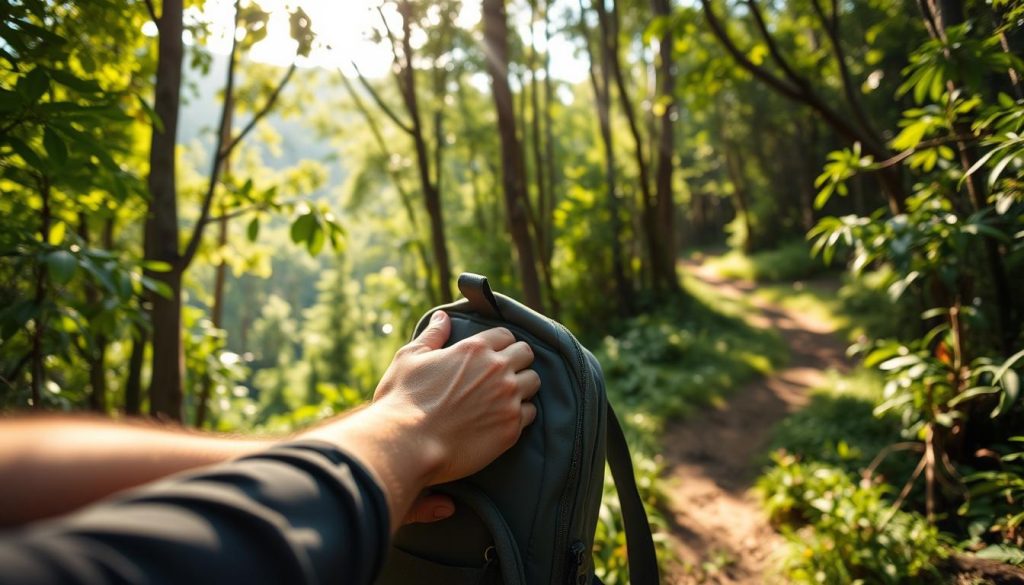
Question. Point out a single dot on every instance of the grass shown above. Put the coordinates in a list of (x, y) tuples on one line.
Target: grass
[(790, 261)]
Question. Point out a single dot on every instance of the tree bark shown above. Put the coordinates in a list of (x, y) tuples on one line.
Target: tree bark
[(431, 192), (133, 384), (647, 201), (665, 271), (602, 97), (165, 393), (496, 44)]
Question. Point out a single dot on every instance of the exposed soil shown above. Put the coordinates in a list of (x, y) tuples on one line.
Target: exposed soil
[(718, 528)]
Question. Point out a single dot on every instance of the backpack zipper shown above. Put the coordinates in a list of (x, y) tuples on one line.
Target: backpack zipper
[(565, 513)]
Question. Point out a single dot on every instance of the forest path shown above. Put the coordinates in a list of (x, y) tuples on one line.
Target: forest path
[(718, 529)]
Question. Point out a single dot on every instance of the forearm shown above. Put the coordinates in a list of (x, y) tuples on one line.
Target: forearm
[(388, 443), (297, 512), (54, 465)]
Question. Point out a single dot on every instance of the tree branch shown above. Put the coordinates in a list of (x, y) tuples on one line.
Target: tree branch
[(831, 26), (380, 102), (924, 145), (378, 137), (152, 13), (773, 48), (218, 159), (262, 113), (718, 30)]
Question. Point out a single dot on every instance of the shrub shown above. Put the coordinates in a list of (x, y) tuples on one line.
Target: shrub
[(842, 532)]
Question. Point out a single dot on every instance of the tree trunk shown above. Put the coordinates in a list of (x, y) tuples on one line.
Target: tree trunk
[(431, 193), (602, 97), (666, 269), (96, 358), (647, 217), (39, 323), (541, 225), (133, 385), (165, 393), (496, 45)]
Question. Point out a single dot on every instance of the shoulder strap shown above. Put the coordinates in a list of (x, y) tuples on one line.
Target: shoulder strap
[(643, 563)]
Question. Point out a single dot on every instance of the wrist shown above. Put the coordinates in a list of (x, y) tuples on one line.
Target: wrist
[(393, 445)]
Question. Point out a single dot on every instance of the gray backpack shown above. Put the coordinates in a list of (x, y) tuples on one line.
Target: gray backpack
[(530, 516)]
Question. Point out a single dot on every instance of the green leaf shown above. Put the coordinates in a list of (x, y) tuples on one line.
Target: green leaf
[(253, 231), (10, 101), (34, 85), (55, 147), (61, 265), (1011, 391), (154, 119), (56, 235), (302, 228), (26, 152), (70, 80), (898, 363), (156, 266), (315, 243), (157, 286), (972, 393)]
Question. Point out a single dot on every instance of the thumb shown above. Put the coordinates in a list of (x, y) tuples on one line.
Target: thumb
[(436, 333), (429, 508)]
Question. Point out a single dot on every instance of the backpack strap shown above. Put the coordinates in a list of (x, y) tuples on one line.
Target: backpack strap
[(643, 563)]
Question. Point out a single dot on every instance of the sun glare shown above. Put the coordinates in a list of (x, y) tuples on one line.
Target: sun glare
[(343, 32)]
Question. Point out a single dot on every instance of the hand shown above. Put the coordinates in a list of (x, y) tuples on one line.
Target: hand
[(469, 402)]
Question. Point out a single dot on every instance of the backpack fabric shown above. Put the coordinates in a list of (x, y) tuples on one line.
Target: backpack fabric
[(530, 516)]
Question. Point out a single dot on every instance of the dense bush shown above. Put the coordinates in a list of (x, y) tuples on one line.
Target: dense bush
[(840, 531)]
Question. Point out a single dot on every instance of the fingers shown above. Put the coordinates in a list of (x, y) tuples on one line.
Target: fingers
[(429, 508), (528, 382), (528, 414), (519, 355), (497, 338), (436, 333)]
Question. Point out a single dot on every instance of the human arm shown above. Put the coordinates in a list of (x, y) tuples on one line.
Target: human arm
[(313, 511), (59, 464)]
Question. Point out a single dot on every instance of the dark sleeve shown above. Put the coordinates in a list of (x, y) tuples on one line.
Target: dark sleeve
[(302, 512)]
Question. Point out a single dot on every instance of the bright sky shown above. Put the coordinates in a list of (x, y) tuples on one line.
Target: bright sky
[(343, 29)]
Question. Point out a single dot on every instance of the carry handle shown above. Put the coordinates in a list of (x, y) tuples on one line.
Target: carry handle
[(643, 562), (476, 290)]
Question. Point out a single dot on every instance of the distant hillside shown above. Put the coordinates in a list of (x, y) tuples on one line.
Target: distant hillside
[(200, 115)]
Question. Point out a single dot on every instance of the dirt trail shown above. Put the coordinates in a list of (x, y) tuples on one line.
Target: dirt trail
[(718, 528)]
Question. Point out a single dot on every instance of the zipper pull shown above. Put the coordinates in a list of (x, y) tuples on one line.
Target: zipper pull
[(577, 561)]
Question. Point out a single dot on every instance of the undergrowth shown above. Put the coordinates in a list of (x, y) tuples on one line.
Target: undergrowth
[(790, 261), (840, 524)]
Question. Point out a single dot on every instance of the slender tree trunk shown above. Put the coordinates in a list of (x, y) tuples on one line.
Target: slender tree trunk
[(431, 193), (39, 323), (666, 270), (133, 385), (165, 393), (739, 189), (601, 85), (649, 227), (541, 225), (220, 273), (496, 45), (96, 356)]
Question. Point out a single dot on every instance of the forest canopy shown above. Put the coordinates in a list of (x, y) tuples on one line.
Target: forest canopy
[(229, 215)]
